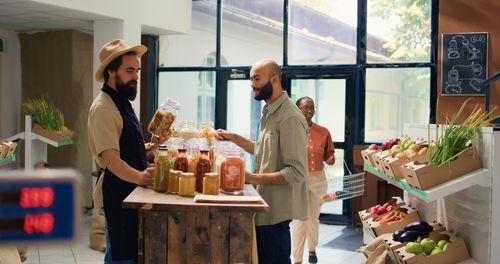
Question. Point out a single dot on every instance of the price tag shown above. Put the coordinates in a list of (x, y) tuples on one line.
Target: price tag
[(39, 206)]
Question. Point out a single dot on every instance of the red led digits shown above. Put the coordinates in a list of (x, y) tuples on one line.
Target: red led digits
[(38, 223), (36, 197)]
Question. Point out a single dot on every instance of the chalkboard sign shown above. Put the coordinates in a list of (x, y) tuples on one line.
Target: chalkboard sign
[(464, 63)]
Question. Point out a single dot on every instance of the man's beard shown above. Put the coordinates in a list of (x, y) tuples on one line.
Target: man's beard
[(265, 92), (128, 90)]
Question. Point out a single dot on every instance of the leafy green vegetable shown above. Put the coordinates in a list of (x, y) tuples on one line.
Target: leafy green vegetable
[(455, 137), (45, 113)]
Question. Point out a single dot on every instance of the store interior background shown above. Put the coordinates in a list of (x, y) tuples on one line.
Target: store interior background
[(51, 48)]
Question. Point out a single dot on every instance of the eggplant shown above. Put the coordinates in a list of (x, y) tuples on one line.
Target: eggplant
[(412, 236), (418, 226), (397, 234)]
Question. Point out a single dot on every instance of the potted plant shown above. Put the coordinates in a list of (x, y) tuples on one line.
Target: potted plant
[(47, 118)]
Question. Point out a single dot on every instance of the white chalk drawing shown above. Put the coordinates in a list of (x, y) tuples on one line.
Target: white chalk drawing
[(464, 64)]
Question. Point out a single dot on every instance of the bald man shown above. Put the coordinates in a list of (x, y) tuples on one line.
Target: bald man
[(280, 163)]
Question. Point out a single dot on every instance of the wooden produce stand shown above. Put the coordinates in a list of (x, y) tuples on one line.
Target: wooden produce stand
[(175, 229)]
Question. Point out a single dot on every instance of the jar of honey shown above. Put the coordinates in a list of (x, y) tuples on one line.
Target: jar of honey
[(173, 181), (162, 168), (211, 184), (187, 184), (202, 166), (232, 172)]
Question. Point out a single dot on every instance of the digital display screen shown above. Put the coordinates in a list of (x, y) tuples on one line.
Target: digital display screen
[(38, 209)]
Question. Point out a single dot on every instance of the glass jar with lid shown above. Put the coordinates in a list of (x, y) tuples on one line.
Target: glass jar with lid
[(173, 144), (173, 181), (232, 172), (188, 130), (211, 184), (203, 166), (181, 162), (187, 184), (164, 118), (162, 169)]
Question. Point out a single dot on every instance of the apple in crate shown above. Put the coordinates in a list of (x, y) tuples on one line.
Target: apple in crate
[(373, 147)]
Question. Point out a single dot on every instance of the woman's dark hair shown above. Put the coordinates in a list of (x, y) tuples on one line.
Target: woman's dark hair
[(115, 64), (301, 99)]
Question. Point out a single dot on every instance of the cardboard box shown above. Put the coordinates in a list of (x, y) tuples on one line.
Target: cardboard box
[(367, 155), (396, 202), (424, 176), (378, 229), (11, 147), (392, 166), (3, 150), (52, 135), (376, 160), (391, 246), (455, 252)]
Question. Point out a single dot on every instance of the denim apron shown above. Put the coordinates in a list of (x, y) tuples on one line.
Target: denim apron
[(122, 223)]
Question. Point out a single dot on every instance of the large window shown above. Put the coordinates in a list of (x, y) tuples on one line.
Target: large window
[(395, 97), (369, 75), (195, 93), (390, 53), (400, 30), (191, 49), (322, 32), (251, 30)]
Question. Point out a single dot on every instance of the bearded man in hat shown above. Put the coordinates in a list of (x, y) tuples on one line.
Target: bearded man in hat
[(117, 144)]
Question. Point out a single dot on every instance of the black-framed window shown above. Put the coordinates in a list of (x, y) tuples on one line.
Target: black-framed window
[(386, 48), (389, 45)]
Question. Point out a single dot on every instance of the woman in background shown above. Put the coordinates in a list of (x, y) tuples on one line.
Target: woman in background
[(319, 148)]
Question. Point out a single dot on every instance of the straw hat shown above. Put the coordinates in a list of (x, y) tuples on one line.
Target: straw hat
[(111, 51)]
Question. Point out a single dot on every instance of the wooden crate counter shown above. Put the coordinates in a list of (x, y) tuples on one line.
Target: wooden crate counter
[(175, 229)]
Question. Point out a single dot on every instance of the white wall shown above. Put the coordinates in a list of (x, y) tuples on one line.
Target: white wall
[(162, 16), (10, 84)]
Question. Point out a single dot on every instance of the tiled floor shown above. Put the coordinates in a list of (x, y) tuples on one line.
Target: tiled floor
[(80, 253)]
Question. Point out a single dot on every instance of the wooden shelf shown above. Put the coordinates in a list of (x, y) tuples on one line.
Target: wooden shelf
[(468, 180)]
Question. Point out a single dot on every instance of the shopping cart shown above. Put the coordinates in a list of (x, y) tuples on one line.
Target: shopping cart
[(341, 187)]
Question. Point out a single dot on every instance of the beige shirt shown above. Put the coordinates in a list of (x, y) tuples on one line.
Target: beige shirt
[(104, 127), (282, 146)]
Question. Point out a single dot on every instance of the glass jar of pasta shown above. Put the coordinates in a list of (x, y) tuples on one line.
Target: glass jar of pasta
[(164, 118)]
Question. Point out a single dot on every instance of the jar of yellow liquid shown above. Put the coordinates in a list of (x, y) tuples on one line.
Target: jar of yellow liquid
[(162, 169), (173, 181), (211, 184), (187, 183)]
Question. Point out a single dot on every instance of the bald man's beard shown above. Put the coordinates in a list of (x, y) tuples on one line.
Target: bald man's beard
[(265, 92)]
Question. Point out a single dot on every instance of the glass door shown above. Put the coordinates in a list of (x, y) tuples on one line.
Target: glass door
[(239, 112), (333, 107)]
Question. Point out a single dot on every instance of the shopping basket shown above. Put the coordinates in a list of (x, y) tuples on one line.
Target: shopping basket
[(341, 187)]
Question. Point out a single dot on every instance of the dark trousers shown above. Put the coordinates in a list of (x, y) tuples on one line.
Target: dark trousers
[(274, 245)]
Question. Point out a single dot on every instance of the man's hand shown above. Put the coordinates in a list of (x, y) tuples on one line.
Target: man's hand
[(222, 134), (146, 177), (156, 141)]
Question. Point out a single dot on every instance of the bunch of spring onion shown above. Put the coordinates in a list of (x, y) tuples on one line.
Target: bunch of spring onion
[(45, 113), (455, 137)]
